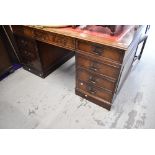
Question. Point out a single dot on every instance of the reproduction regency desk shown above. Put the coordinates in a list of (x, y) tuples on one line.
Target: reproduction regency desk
[(102, 61)]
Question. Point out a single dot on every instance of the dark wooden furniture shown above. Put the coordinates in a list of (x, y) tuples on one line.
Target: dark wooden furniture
[(40, 57), (102, 63), (7, 55)]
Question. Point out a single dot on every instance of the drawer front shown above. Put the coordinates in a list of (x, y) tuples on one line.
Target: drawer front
[(90, 77), (55, 39), (96, 92), (101, 68), (100, 50)]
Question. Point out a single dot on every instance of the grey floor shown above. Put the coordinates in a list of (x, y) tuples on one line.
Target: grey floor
[(27, 101)]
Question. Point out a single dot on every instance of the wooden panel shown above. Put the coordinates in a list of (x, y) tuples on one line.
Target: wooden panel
[(94, 79), (55, 39), (100, 50), (50, 54), (126, 69), (95, 91), (28, 52), (98, 67)]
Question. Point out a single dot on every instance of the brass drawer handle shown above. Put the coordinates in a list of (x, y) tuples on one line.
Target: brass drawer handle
[(93, 69), (90, 90), (93, 92), (97, 50), (93, 82), (92, 79)]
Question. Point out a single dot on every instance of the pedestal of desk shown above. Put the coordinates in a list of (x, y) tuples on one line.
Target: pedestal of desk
[(41, 58), (101, 69)]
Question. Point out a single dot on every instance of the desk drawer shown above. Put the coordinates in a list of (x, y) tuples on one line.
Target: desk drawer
[(94, 79), (100, 50), (95, 66), (55, 39), (96, 92)]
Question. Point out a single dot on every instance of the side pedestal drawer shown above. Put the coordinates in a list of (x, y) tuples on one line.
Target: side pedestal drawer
[(98, 67), (97, 50), (90, 77), (95, 91)]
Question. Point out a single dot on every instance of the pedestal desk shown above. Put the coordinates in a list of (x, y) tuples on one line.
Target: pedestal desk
[(102, 61)]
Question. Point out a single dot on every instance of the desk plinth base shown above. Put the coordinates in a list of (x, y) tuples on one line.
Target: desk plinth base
[(52, 68), (93, 99)]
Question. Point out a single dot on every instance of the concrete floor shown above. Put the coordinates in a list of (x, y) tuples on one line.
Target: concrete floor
[(27, 101)]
